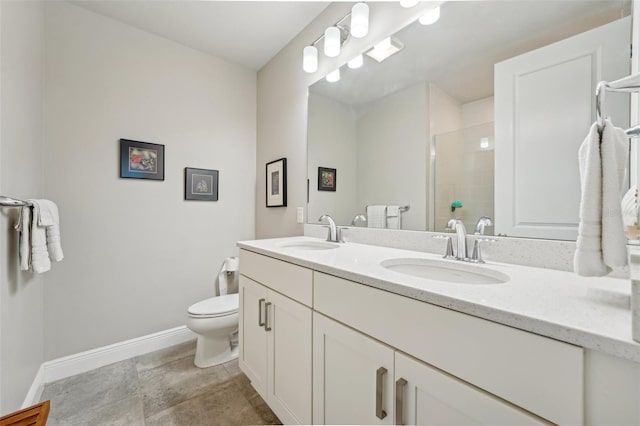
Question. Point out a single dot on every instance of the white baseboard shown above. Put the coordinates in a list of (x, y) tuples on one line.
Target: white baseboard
[(71, 365)]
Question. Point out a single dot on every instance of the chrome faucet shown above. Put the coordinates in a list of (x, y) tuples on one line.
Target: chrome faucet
[(483, 222), (334, 233), (461, 237)]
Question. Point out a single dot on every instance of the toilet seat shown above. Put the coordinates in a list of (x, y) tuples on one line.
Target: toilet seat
[(215, 306)]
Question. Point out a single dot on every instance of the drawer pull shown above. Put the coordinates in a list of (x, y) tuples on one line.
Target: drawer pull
[(380, 372), (267, 327), (260, 322), (400, 384)]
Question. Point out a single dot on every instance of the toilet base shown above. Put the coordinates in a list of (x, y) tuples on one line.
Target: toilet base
[(213, 351)]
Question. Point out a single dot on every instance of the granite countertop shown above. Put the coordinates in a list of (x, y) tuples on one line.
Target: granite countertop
[(590, 312)]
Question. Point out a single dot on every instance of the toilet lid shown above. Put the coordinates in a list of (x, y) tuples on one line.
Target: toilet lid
[(215, 306)]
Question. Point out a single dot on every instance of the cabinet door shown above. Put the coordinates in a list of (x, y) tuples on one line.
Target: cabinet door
[(350, 385), (426, 396), (252, 336), (289, 357)]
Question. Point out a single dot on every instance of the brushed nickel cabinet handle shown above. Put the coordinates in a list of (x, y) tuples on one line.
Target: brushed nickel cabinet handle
[(267, 327), (400, 384), (260, 322), (380, 372)]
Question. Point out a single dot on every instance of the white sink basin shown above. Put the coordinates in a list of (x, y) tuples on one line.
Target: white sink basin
[(310, 245), (438, 270)]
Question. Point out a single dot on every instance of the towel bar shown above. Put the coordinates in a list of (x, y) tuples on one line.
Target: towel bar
[(629, 84), (12, 202)]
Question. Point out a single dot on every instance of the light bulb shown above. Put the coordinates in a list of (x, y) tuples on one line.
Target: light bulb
[(383, 45), (484, 143), (359, 20), (356, 62), (430, 17), (332, 42), (333, 76), (408, 3), (310, 59)]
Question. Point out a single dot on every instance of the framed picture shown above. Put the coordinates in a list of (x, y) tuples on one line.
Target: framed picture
[(326, 179), (277, 183), (200, 184), (141, 160)]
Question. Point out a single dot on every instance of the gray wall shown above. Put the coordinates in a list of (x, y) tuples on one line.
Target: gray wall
[(136, 254), (21, 294)]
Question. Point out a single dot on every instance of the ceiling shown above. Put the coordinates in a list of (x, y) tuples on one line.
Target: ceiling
[(458, 52), (249, 33)]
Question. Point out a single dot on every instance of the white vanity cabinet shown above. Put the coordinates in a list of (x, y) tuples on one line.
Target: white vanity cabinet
[(275, 335)]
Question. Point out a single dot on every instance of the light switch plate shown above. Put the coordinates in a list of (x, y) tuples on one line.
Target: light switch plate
[(300, 214)]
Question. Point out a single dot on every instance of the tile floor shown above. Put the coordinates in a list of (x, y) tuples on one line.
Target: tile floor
[(160, 388)]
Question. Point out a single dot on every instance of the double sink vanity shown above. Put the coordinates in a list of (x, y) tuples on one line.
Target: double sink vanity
[(362, 334)]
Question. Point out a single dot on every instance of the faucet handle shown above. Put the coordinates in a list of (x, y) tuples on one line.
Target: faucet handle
[(340, 236), (449, 252), (476, 257)]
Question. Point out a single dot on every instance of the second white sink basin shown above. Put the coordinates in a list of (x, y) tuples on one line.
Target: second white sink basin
[(310, 245), (438, 270)]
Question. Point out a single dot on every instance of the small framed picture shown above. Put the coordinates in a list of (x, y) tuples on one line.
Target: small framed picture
[(277, 183), (141, 160), (200, 184), (326, 179)]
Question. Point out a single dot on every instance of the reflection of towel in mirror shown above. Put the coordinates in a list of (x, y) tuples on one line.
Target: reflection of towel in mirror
[(601, 244), (377, 216), (393, 217)]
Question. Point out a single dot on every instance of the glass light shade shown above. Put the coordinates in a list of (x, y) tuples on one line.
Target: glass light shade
[(310, 59), (332, 42), (430, 17), (333, 76), (356, 62), (408, 3), (383, 45), (359, 20)]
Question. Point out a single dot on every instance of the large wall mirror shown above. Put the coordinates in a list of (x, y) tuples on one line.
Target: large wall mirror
[(479, 114)]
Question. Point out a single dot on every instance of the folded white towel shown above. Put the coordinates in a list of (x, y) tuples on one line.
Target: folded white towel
[(393, 217), (601, 243), (40, 261), (48, 218), (377, 216), (24, 227)]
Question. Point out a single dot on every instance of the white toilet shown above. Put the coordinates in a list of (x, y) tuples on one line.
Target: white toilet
[(215, 321)]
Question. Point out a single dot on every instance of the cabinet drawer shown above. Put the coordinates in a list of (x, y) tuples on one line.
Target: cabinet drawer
[(539, 374), (291, 280)]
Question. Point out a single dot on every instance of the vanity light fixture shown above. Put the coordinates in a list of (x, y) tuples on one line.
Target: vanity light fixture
[(333, 76), (310, 59), (484, 143), (430, 17), (332, 42), (360, 20), (356, 62), (384, 49), (409, 3)]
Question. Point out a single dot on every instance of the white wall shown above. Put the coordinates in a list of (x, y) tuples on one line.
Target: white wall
[(392, 150), (332, 143), (282, 106), (21, 294), (478, 112), (136, 254)]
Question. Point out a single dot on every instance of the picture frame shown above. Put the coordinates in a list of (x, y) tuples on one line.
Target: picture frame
[(326, 179), (200, 184), (141, 160), (276, 184)]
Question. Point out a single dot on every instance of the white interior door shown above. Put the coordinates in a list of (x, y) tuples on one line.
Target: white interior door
[(252, 335), (544, 105), (347, 376)]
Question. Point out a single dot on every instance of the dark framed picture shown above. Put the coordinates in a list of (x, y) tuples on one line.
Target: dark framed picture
[(200, 184), (141, 160), (326, 179), (277, 183)]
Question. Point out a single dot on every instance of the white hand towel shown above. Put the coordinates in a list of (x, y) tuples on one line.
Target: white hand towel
[(49, 219), (601, 240), (614, 149), (393, 217), (24, 227), (377, 216), (40, 261)]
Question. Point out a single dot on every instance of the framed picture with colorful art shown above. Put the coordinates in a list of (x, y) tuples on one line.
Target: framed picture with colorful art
[(141, 160), (200, 184), (277, 183), (326, 179)]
